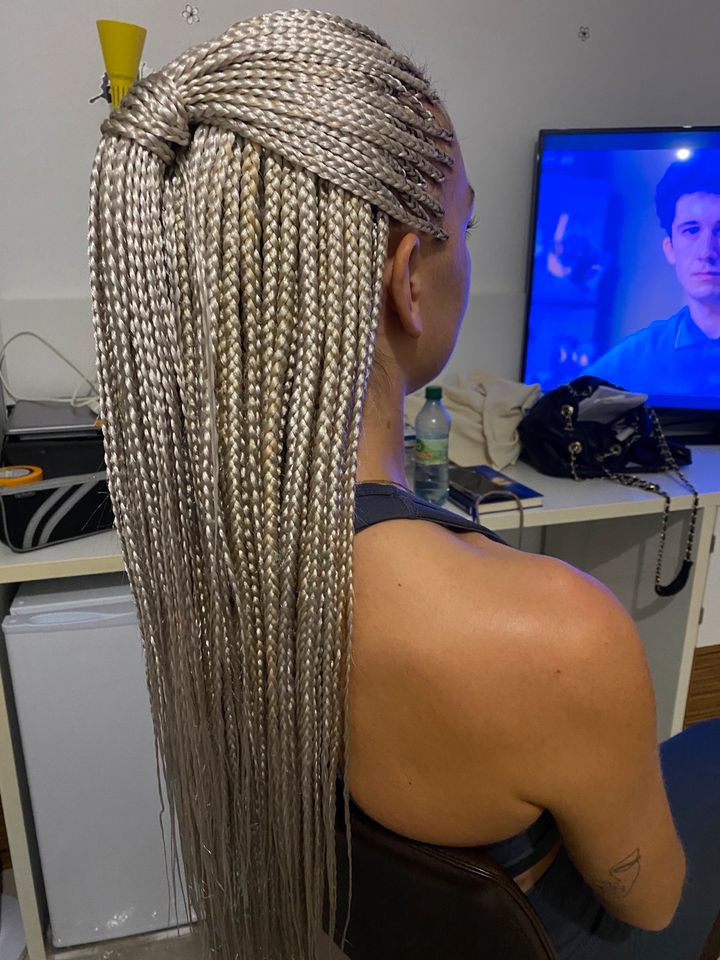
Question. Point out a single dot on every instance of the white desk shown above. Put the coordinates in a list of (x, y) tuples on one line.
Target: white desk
[(606, 529), (569, 501)]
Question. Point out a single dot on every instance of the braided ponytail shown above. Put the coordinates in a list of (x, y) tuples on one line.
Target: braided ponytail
[(239, 214)]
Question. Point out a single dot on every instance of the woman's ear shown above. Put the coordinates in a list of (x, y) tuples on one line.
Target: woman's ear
[(403, 284)]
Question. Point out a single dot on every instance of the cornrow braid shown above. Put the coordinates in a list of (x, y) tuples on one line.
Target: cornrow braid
[(240, 203)]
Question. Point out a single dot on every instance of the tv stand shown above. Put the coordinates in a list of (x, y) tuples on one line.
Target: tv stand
[(702, 429)]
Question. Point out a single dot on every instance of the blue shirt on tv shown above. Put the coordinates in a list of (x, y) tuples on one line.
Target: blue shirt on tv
[(670, 357)]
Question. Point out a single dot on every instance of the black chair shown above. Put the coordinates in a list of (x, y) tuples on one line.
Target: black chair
[(416, 901)]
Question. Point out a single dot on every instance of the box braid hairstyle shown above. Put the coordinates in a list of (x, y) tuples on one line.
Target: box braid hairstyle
[(240, 205)]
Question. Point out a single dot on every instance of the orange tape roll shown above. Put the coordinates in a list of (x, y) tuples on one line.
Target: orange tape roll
[(18, 475)]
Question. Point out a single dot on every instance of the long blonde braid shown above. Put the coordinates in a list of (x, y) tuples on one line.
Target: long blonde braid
[(240, 206)]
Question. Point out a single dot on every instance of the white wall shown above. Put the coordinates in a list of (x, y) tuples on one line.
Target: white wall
[(505, 67)]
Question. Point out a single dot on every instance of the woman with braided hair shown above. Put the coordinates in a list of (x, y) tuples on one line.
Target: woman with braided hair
[(278, 255)]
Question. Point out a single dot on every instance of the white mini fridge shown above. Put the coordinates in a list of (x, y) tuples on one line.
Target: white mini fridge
[(78, 677)]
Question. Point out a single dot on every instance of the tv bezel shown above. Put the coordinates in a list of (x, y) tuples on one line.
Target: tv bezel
[(667, 413)]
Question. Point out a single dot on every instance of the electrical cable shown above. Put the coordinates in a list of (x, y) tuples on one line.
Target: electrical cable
[(508, 495), (92, 400)]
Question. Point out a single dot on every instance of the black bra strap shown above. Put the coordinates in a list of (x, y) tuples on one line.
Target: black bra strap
[(377, 502)]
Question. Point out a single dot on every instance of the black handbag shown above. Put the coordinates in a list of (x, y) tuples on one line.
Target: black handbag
[(558, 439)]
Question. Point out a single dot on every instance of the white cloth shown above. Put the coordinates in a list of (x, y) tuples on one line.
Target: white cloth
[(485, 411)]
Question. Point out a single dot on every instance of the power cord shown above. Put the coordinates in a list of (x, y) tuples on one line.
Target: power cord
[(508, 495), (92, 401)]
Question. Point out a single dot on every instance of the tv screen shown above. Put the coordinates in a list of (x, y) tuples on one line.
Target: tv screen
[(624, 279)]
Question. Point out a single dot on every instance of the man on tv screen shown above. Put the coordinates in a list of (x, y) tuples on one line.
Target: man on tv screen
[(680, 355)]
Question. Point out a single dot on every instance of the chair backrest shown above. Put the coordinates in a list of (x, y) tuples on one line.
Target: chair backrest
[(416, 901)]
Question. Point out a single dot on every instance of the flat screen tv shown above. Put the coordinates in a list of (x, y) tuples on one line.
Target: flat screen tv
[(624, 265)]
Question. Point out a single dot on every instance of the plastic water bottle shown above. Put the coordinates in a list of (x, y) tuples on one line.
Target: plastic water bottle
[(432, 429)]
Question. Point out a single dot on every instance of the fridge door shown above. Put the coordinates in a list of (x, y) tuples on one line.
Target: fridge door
[(85, 726)]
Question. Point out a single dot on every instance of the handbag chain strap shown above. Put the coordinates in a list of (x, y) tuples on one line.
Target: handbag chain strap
[(629, 480)]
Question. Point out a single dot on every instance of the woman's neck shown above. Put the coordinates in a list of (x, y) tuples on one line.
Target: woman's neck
[(381, 453)]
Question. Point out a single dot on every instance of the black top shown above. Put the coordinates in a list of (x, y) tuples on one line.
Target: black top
[(377, 502)]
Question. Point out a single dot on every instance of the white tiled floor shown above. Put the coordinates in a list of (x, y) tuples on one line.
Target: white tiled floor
[(179, 944), (162, 946), (165, 946)]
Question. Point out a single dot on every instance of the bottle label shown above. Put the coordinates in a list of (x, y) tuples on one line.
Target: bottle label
[(431, 452)]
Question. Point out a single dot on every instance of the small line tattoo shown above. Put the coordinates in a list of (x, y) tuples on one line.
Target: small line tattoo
[(623, 876)]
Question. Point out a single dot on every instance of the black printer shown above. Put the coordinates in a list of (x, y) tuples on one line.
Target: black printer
[(72, 499)]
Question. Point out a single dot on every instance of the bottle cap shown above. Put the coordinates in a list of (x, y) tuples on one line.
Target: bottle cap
[(433, 393)]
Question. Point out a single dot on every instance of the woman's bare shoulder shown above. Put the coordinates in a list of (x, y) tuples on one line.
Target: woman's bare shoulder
[(465, 599), (467, 573)]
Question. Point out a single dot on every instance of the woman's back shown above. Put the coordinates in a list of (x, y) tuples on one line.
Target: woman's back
[(411, 621), (481, 696)]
